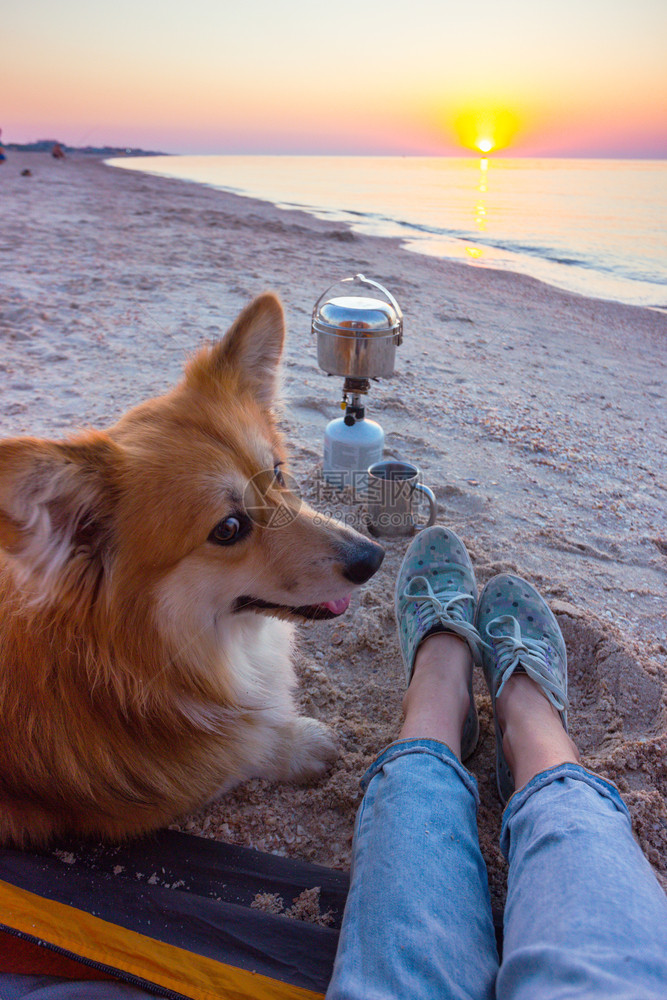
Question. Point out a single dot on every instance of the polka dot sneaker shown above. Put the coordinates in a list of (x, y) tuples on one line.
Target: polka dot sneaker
[(436, 591), (520, 635)]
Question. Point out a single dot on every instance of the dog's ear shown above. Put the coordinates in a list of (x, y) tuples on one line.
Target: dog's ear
[(56, 502), (249, 352)]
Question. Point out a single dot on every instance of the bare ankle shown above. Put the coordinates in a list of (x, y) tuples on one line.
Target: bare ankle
[(534, 738), (444, 648), (438, 699), (521, 699)]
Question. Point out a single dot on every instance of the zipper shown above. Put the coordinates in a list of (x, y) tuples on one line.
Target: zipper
[(125, 977)]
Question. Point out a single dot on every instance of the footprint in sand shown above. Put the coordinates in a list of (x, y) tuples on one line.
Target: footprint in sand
[(618, 722)]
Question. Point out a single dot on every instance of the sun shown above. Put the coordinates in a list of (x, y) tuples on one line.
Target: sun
[(485, 129)]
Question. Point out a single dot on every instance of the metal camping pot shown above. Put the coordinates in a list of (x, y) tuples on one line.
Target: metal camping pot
[(357, 332)]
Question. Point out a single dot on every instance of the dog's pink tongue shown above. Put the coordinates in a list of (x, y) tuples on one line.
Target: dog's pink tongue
[(337, 607)]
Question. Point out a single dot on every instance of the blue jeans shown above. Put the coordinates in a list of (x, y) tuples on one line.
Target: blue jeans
[(585, 916)]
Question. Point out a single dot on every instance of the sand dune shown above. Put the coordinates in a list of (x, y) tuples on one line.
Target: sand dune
[(537, 417)]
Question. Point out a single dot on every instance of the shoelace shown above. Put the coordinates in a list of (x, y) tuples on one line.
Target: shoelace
[(446, 608), (518, 651)]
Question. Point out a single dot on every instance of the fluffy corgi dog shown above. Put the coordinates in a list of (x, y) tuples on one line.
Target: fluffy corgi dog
[(146, 615)]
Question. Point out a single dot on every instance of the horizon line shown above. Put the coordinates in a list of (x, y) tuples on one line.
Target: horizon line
[(505, 154)]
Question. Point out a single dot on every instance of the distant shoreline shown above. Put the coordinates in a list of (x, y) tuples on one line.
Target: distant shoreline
[(46, 145)]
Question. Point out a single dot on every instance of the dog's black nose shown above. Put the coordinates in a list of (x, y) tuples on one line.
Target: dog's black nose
[(363, 561)]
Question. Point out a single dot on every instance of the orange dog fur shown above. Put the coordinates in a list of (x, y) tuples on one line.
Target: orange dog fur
[(145, 618)]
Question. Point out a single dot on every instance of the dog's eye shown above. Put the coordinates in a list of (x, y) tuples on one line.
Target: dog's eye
[(278, 475), (228, 531)]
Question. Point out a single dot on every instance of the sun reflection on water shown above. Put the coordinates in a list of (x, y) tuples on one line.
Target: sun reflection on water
[(475, 253)]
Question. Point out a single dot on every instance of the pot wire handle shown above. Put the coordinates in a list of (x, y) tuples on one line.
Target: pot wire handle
[(399, 311)]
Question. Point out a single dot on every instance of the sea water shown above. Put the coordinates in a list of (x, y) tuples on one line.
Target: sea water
[(596, 227)]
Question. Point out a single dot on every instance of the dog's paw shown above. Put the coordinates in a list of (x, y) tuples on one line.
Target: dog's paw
[(313, 749)]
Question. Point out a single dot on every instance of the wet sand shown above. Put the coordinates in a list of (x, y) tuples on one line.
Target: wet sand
[(537, 417)]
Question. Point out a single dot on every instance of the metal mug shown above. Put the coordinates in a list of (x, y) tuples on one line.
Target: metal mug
[(391, 490)]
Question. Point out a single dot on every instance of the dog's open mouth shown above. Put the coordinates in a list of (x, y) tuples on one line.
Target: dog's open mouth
[(313, 612)]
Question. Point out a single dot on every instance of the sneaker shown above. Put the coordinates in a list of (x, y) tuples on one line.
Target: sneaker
[(436, 591), (520, 635)]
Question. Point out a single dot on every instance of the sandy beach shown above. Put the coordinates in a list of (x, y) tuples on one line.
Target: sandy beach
[(536, 416)]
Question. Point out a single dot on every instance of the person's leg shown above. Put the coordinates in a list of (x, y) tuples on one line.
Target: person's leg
[(534, 738), (417, 922), (436, 703), (585, 915)]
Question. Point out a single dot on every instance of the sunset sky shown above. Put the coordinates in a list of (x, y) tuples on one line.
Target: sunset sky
[(546, 77)]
